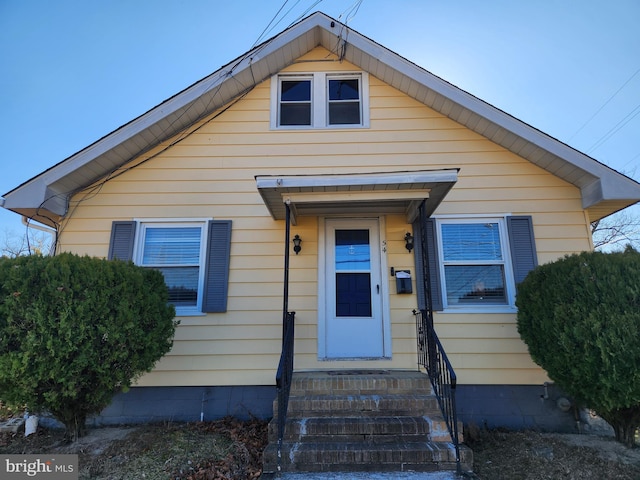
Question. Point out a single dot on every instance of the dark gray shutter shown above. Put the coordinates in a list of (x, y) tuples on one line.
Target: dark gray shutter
[(434, 265), (216, 279), (523, 246), (417, 252), (433, 261), (121, 243)]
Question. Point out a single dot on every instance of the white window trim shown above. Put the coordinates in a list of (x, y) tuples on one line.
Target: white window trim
[(143, 223), (510, 286), (319, 100), (276, 111)]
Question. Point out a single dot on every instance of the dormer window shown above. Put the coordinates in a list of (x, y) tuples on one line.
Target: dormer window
[(344, 101), (320, 100), (295, 102)]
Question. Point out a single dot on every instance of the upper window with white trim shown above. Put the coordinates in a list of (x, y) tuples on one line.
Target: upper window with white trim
[(344, 100), (320, 100), (295, 101)]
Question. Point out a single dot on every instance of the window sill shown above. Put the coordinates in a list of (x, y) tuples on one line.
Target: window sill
[(189, 312), (481, 309), (321, 127)]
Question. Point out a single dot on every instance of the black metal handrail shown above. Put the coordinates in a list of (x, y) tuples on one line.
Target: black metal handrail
[(283, 376), (433, 358)]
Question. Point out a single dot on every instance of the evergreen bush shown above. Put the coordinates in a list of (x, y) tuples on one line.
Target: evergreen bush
[(75, 330), (580, 318)]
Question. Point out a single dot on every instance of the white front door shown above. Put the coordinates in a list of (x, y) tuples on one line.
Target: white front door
[(354, 326)]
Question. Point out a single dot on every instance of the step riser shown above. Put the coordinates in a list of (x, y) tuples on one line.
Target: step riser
[(359, 385), (373, 467), (362, 405), (433, 431), (355, 438), (356, 426), (307, 457)]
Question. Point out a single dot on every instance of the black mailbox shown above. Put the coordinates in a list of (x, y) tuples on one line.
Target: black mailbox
[(403, 281)]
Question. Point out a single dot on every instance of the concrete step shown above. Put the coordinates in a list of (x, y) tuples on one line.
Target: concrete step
[(377, 429), (359, 456), (371, 382), (350, 405), (344, 429)]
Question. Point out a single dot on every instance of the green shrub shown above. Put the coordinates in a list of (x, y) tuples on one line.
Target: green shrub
[(580, 318), (75, 330)]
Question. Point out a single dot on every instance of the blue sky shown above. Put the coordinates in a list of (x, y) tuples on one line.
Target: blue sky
[(73, 71)]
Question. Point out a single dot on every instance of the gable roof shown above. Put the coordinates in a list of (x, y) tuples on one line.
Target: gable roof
[(45, 197)]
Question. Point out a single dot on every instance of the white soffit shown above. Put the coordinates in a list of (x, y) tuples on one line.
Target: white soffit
[(355, 194)]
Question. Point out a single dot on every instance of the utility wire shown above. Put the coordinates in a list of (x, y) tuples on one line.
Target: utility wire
[(351, 11), (604, 105), (631, 160), (272, 20), (91, 191), (615, 129), (271, 26)]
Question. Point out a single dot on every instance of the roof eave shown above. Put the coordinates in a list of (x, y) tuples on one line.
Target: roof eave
[(49, 192)]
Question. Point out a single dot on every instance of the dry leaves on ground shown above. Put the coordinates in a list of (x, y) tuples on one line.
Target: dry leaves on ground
[(528, 455), (220, 450)]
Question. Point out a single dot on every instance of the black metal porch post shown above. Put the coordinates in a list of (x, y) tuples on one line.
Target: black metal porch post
[(285, 296)]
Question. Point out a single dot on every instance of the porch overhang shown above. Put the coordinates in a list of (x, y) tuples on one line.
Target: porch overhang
[(355, 194)]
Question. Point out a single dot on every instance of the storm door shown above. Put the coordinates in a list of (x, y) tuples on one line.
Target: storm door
[(354, 326)]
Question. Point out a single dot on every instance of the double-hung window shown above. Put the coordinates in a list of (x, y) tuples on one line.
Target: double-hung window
[(474, 262), (320, 100), (176, 250), (193, 256), (295, 101), (344, 100)]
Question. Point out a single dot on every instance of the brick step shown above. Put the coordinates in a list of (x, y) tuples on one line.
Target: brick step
[(377, 429), (342, 429), (381, 382), (359, 456), (363, 421), (369, 405)]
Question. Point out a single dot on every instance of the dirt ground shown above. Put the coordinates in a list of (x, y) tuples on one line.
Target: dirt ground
[(527, 455), (225, 449), (230, 449)]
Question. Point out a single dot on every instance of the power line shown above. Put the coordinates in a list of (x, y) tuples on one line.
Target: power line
[(272, 20), (604, 105), (615, 129), (631, 160), (351, 11)]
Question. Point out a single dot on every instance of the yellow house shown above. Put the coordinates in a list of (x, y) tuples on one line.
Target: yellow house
[(402, 192)]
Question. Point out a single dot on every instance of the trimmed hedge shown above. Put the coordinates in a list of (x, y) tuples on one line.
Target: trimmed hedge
[(76, 330), (580, 318)]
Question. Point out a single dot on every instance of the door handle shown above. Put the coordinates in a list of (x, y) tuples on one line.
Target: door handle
[(378, 289)]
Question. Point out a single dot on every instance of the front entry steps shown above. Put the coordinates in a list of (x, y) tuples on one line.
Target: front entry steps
[(371, 420)]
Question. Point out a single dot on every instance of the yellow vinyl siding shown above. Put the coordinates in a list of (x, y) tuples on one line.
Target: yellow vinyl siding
[(211, 174)]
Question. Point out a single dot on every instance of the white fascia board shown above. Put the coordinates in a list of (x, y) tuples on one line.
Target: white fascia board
[(30, 195), (355, 196), (168, 107), (345, 180), (611, 179)]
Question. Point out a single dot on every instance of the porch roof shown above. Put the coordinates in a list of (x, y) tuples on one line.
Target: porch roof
[(355, 194)]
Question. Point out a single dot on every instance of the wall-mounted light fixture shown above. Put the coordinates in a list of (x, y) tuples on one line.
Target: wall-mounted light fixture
[(408, 240), (296, 244)]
